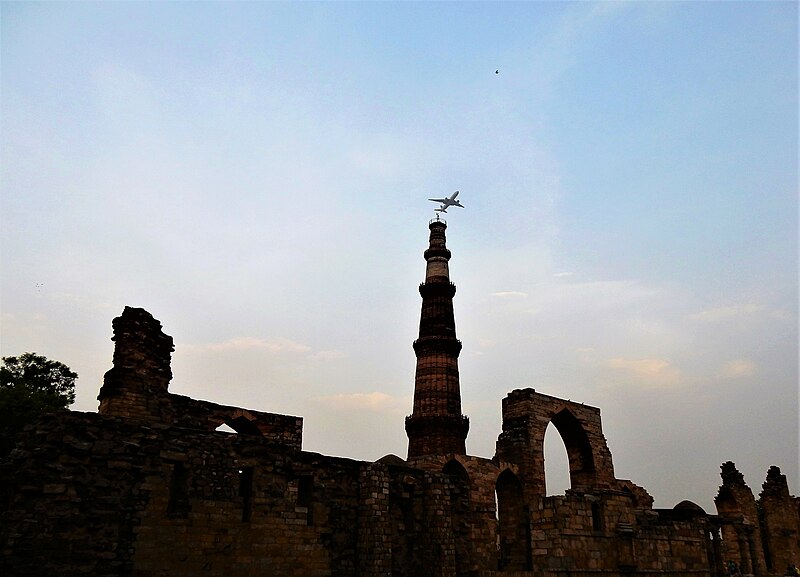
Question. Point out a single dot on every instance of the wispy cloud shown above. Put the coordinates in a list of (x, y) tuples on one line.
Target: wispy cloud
[(509, 294), (737, 369), (375, 401), (727, 312), (328, 355), (274, 345), (656, 372)]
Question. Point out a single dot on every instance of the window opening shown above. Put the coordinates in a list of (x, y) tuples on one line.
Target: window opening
[(556, 462), (246, 492), (305, 490), (597, 518), (178, 505)]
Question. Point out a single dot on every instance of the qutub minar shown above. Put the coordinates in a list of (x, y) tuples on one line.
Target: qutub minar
[(436, 426), (148, 487)]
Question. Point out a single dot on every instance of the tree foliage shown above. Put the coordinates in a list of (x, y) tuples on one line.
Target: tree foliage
[(31, 385)]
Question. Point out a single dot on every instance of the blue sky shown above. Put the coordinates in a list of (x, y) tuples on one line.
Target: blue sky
[(256, 174)]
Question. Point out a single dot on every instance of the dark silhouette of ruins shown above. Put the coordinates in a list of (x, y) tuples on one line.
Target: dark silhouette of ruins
[(147, 487)]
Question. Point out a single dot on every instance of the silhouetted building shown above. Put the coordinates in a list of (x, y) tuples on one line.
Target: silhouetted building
[(148, 487)]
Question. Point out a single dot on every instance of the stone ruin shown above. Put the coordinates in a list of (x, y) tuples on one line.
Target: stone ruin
[(148, 487)]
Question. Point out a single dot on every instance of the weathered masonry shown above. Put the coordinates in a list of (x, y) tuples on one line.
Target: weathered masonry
[(148, 487)]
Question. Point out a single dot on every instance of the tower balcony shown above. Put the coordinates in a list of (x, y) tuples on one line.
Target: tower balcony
[(437, 288), (436, 434), (436, 344), (437, 251)]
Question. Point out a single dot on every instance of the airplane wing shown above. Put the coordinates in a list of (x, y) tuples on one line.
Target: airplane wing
[(437, 199)]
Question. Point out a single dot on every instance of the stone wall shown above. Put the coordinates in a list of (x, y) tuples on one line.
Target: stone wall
[(88, 494), (741, 533), (779, 517), (136, 387)]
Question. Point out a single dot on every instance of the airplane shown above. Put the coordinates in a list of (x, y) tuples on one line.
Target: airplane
[(447, 202)]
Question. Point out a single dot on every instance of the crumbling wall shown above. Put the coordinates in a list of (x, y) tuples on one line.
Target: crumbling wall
[(227, 505), (72, 495), (136, 387), (780, 522), (283, 430), (88, 494), (741, 534), (607, 533), (601, 524), (93, 495), (472, 506)]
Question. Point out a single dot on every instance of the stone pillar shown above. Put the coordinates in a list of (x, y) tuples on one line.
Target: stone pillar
[(716, 562), (141, 373), (374, 523), (780, 522), (737, 506), (439, 546)]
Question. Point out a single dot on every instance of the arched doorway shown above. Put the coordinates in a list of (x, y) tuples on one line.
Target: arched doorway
[(556, 462), (513, 524), (579, 449), (459, 511)]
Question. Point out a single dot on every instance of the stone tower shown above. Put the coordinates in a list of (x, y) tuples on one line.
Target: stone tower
[(436, 426)]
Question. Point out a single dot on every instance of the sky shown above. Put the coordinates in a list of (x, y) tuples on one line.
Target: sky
[(256, 176)]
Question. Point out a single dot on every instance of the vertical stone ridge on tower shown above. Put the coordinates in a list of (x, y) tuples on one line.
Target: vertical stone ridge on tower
[(436, 426)]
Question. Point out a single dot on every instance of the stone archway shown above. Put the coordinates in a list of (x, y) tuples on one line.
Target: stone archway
[(579, 450), (526, 416), (460, 513), (513, 527)]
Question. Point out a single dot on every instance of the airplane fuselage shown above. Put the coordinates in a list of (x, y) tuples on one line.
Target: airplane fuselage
[(447, 202)]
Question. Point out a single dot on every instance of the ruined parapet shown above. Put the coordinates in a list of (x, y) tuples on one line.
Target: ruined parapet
[(282, 430), (776, 486), (141, 371), (137, 387), (735, 499), (731, 477), (741, 534), (780, 522), (526, 415)]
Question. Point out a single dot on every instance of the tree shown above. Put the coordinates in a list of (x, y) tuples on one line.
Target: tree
[(31, 385)]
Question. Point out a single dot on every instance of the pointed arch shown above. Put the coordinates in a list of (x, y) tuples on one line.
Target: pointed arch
[(556, 462), (513, 527), (238, 421), (630, 494), (454, 469), (460, 512), (579, 449)]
